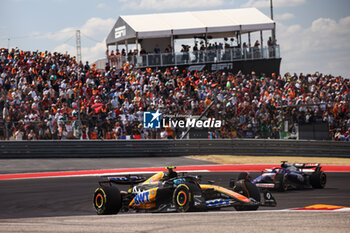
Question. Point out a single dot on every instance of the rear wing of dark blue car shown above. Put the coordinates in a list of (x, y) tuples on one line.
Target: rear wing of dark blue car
[(308, 165)]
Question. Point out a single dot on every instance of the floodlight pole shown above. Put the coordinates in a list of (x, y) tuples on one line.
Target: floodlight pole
[(271, 9), (78, 44), (274, 26)]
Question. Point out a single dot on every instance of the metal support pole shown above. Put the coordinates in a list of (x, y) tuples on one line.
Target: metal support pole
[(240, 38), (261, 45), (273, 32), (249, 46), (107, 55), (172, 42), (200, 117), (79, 118), (240, 42), (249, 42), (137, 50), (137, 45), (161, 59), (126, 47), (126, 52)]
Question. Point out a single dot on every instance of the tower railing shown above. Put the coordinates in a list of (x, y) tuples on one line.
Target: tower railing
[(196, 57)]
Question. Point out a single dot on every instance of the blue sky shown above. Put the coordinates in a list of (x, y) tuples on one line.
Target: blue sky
[(314, 35)]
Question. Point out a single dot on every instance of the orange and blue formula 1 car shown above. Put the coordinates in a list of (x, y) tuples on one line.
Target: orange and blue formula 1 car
[(169, 191)]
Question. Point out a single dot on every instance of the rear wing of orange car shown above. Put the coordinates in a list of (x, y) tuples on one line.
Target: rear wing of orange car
[(126, 180)]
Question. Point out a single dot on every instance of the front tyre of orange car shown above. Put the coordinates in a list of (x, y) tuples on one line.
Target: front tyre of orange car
[(247, 189)]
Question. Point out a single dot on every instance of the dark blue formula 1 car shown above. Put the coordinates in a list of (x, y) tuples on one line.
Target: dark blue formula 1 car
[(292, 176)]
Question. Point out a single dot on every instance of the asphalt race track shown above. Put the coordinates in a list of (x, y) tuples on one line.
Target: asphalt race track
[(24, 203), (73, 196)]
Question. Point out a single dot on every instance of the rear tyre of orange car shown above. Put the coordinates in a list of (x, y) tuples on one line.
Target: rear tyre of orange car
[(183, 198), (318, 179), (107, 200)]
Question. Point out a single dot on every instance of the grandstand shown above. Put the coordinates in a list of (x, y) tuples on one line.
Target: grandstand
[(47, 95)]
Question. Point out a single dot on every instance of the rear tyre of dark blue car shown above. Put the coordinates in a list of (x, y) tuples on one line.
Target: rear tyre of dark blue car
[(318, 179)]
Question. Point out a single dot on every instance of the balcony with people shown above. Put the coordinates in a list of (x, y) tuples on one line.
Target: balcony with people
[(199, 54)]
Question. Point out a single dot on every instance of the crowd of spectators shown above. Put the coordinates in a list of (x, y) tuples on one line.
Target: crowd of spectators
[(47, 95)]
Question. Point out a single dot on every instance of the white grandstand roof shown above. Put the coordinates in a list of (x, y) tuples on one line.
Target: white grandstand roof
[(188, 24)]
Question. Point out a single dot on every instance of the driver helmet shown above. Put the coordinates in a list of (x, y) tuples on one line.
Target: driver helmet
[(172, 174)]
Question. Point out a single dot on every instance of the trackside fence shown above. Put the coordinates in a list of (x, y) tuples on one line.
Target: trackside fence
[(165, 148)]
